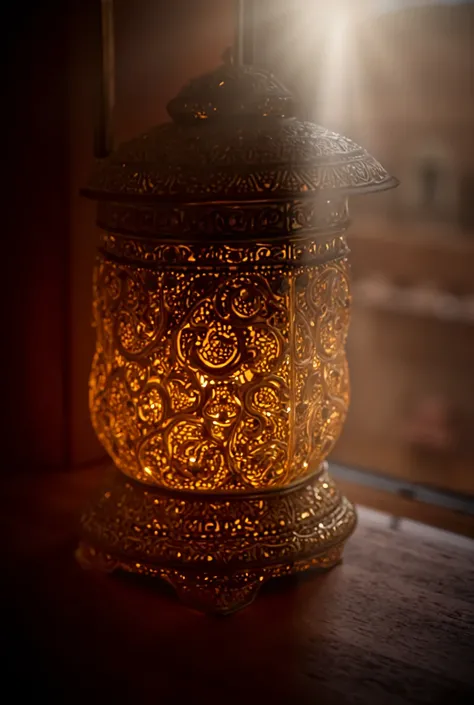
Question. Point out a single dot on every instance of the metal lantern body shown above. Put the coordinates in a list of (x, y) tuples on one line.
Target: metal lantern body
[(221, 301)]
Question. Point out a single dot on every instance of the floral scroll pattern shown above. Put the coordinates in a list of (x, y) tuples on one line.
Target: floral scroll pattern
[(217, 379)]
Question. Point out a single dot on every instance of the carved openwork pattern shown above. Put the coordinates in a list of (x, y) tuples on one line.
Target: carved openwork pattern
[(216, 551), (226, 160), (222, 222), (196, 530), (218, 379), (287, 253)]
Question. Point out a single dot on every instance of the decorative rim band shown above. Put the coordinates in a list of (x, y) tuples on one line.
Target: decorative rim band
[(225, 221), (291, 253)]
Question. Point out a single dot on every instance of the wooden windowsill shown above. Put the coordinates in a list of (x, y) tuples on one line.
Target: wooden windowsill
[(392, 624)]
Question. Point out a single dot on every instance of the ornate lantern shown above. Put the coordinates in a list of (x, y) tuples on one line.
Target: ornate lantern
[(221, 302)]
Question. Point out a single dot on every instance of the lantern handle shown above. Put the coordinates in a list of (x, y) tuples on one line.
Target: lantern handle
[(103, 138), (243, 50), (242, 53)]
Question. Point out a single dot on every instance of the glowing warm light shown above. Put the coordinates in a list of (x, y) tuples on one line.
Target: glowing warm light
[(334, 75), (221, 375), (212, 390)]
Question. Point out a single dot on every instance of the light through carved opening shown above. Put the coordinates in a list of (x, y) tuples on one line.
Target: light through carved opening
[(222, 378), (221, 302)]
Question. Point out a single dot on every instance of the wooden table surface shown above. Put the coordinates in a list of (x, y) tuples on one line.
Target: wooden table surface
[(393, 624)]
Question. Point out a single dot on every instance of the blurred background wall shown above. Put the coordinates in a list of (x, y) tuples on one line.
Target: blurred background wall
[(398, 77)]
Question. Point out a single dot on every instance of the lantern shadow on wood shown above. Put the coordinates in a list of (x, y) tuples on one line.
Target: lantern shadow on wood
[(221, 302)]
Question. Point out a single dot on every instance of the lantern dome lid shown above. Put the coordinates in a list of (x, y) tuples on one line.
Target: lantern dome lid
[(234, 136)]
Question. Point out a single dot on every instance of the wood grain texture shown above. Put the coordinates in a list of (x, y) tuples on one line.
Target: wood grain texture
[(394, 624)]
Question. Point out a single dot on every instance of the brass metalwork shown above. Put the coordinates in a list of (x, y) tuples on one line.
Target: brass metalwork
[(221, 302), (218, 378), (234, 137), (217, 551)]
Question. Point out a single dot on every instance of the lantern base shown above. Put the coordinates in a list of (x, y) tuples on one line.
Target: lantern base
[(216, 550)]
